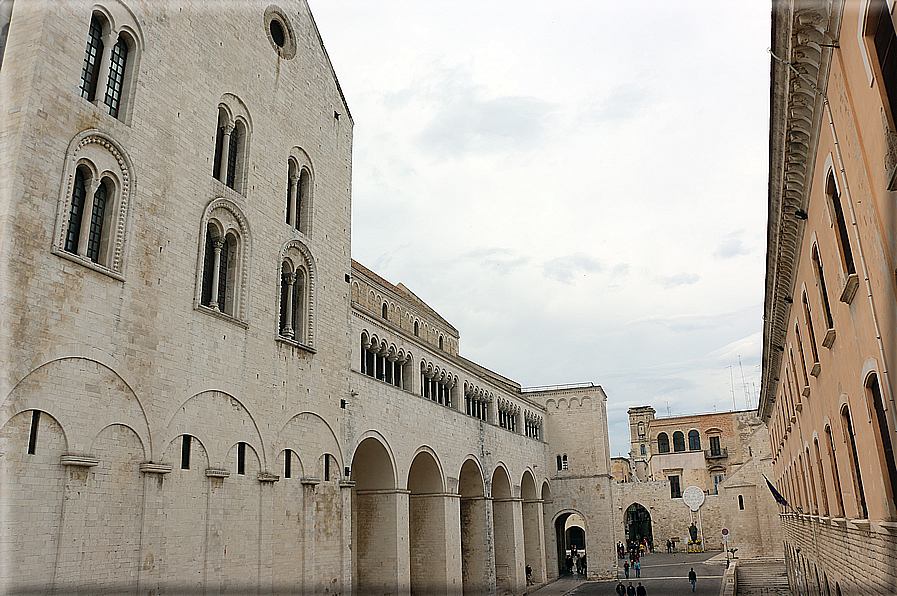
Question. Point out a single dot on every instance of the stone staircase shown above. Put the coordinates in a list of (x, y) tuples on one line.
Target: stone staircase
[(762, 577)]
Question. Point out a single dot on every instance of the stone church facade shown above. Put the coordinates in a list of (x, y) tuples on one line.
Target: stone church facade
[(201, 391)]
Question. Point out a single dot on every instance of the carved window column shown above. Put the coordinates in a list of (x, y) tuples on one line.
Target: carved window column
[(225, 152), (217, 245), (294, 202)]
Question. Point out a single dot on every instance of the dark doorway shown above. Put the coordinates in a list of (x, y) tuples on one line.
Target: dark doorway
[(638, 523)]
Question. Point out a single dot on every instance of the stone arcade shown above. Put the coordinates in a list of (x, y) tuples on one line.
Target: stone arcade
[(201, 391)]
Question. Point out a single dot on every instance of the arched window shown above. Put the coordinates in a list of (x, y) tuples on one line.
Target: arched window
[(385, 311), (678, 441), (694, 440), (880, 30), (559, 463), (231, 144), (564, 462), (823, 294), (643, 450), (834, 199), (225, 245), (854, 461), (811, 333), (218, 274), (440, 342), (298, 193), (803, 361), (822, 489), (93, 209), (416, 329), (836, 477), (663, 443), (292, 301), (883, 435), (109, 64)]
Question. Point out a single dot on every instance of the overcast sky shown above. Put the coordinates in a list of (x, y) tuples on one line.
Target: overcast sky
[(579, 187)]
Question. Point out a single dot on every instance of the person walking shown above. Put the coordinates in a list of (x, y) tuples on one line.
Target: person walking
[(638, 569), (626, 569), (640, 590), (621, 589), (693, 578), (630, 591)]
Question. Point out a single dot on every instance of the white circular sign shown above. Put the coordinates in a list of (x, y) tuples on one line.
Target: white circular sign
[(693, 496)]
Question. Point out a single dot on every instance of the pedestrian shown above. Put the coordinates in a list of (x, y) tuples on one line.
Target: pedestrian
[(693, 578), (630, 591), (569, 564), (529, 575), (669, 546), (640, 590), (583, 561), (626, 569), (638, 569), (621, 589)]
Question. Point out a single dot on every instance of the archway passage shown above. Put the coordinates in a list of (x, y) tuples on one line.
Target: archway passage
[(533, 537), (426, 520), (477, 559), (375, 520), (571, 540), (638, 524)]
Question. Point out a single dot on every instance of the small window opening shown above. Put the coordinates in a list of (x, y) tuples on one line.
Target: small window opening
[(559, 463), (440, 342), (241, 458), (32, 438), (277, 33), (564, 463), (185, 452), (416, 329), (326, 467), (287, 463), (741, 502), (385, 311)]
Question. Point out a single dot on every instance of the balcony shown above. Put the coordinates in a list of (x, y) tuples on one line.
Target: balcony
[(716, 454)]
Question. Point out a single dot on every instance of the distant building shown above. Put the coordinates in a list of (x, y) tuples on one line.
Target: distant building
[(723, 454), (830, 313)]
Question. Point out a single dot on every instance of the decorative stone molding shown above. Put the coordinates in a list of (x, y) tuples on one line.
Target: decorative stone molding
[(310, 481), (215, 473), (81, 461), (152, 468), (797, 76), (268, 477)]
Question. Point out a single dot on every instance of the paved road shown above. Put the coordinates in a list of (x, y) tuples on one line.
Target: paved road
[(665, 575)]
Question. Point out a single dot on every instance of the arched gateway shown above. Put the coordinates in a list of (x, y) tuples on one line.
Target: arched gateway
[(638, 523)]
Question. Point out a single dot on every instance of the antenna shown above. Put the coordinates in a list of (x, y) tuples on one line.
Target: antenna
[(732, 380), (668, 409), (743, 384)]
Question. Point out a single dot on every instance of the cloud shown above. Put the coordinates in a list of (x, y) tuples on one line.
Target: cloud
[(466, 122), (501, 260), (566, 269), (730, 246), (680, 279)]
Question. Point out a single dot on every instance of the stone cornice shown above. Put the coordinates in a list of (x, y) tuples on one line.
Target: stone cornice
[(802, 30)]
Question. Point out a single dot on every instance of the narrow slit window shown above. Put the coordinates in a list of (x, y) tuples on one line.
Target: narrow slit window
[(117, 62), (95, 233), (32, 438), (241, 458), (185, 452), (90, 72), (287, 464), (73, 233), (326, 466), (741, 502)]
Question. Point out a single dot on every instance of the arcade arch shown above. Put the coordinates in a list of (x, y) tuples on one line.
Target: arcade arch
[(375, 517), (427, 514), (477, 566), (570, 530), (533, 538), (637, 521)]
